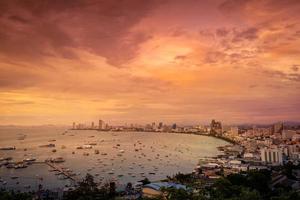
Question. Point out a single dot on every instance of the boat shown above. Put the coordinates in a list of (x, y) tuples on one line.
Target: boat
[(47, 145), (92, 144), (87, 146), (62, 177), (27, 186), (56, 160), (10, 165), (29, 160), (52, 170), (86, 154), (7, 148), (97, 151), (20, 166), (5, 158), (14, 177)]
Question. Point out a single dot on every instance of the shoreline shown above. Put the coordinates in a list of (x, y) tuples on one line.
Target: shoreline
[(191, 133)]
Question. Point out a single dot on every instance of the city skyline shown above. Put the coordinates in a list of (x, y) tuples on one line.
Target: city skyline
[(136, 61)]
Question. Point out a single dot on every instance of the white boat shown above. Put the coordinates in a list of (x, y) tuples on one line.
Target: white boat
[(20, 166), (87, 146), (29, 159)]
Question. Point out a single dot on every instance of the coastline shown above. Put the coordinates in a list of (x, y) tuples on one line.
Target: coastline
[(192, 133)]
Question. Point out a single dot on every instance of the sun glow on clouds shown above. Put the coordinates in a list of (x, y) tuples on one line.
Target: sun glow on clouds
[(136, 61)]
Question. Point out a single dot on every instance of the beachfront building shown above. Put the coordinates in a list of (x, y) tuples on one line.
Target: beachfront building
[(153, 190)]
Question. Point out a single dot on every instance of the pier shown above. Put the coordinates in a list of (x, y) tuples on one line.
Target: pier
[(63, 172)]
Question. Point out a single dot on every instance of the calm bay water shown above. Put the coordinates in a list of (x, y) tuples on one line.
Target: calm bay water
[(131, 156)]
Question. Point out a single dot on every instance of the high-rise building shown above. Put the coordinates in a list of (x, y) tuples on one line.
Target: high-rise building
[(278, 127), (92, 126), (216, 127), (234, 131), (74, 125), (174, 126), (160, 125), (101, 124), (271, 155), (153, 125)]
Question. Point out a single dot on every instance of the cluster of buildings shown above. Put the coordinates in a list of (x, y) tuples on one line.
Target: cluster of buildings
[(151, 127), (269, 144), (265, 147), (100, 126), (272, 145)]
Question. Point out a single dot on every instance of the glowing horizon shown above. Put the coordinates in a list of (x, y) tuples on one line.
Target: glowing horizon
[(138, 61)]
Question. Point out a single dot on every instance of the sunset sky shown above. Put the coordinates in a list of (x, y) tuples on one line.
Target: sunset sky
[(138, 61)]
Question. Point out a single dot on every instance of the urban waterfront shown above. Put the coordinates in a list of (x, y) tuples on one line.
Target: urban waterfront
[(123, 156)]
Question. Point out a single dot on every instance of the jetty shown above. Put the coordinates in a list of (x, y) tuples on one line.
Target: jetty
[(63, 172)]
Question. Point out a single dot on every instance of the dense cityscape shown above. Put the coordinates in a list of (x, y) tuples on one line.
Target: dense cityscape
[(270, 144)]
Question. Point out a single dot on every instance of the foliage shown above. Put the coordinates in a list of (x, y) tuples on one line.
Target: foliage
[(5, 195), (88, 190)]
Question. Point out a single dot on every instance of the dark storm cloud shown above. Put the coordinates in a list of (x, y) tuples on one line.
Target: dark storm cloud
[(33, 29)]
